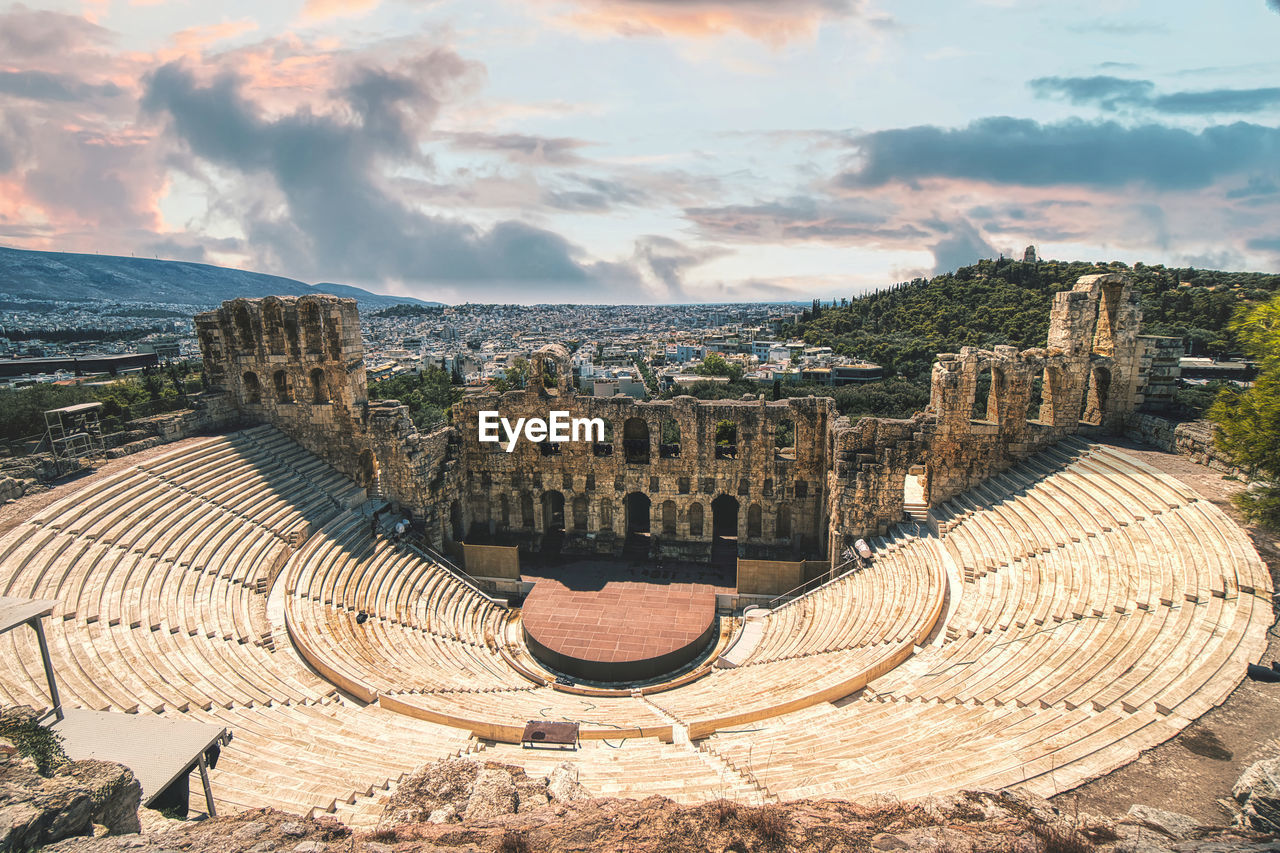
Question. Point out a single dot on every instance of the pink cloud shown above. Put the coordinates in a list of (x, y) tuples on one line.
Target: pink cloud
[(321, 10), (766, 20)]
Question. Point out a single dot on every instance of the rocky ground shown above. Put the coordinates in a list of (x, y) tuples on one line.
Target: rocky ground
[(467, 806)]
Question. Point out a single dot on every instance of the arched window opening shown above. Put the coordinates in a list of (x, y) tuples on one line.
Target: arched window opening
[(313, 329), (283, 392), (319, 387), (981, 395), (504, 511), (526, 511), (784, 439), (635, 441), (668, 518), (252, 389), (695, 521), (727, 440), (244, 328), (783, 525), (605, 448), (580, 513), (1035, 398), (754, 522), (669, 444)]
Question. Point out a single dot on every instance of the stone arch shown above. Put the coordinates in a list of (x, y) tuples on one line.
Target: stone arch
[(319, 387), (1110, 297), (552, 360), (695, 520), (1095, 401), (526, 511), (668, 518), (244, 328), (333, 335), (1054, 394), (580, 513), (252, 389), (635, 441), (552, 511), (284, 394), (755, 522), (782, 526)]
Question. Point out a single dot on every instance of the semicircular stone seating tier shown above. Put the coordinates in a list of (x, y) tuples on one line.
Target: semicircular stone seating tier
[(1095, 607)]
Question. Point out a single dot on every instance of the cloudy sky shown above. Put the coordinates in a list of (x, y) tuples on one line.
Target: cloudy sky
[(640, 150)]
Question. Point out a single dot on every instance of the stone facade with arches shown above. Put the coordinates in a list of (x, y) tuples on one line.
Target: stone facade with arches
[(683, 478)]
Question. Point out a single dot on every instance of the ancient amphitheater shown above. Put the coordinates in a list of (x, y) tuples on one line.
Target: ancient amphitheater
[(1040, 608)]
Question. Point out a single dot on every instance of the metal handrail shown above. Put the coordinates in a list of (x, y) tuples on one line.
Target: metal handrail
[(449, 566), (822, 580)]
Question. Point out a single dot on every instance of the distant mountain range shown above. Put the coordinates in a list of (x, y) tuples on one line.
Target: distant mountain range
[(64, 276)]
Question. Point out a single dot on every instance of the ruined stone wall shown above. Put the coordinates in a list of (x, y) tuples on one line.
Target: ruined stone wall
[(780, 495), (988, 409), (298, 363)]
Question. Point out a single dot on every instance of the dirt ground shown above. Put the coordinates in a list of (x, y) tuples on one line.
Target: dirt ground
[(1193, 773)]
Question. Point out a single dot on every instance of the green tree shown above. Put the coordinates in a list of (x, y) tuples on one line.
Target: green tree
[(1249, 420)]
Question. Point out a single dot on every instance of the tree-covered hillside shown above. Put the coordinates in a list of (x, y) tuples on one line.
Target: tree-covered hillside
[(1007, 302)]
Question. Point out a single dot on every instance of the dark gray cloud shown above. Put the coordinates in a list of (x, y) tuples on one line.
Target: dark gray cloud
[(960, 244), (667, 260), (43, 86), (1218, 101), (1105, 91), (27, 34), (1004, 150), (519, 146), (1264, 244), (800, 218), (594, 195), (340, 220), (1112, 93), (1273, 5)]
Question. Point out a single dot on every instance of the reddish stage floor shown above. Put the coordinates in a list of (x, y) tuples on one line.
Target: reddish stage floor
[(605, 621)]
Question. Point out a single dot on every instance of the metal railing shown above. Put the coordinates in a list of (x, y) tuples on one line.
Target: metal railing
[(814, 583)]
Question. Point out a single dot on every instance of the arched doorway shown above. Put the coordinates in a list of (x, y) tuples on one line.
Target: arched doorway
[(552, 512), (638, 509), (456, 526), (724, 530), (638, 513)]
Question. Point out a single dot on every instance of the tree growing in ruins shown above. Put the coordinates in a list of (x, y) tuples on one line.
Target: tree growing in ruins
[(1249, 420)]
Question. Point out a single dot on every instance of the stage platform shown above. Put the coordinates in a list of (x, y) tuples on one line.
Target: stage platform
[(608, 621)]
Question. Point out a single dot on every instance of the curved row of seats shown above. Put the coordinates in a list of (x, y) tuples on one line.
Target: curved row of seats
[(1105, 606), (886, 602), (160, 574)]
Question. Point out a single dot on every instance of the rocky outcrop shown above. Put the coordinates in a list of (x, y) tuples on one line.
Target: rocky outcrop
[(79, 798), (1258, 793), (465, 790), (999, 822)]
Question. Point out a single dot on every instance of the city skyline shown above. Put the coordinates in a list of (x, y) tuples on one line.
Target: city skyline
[(638, 151)]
